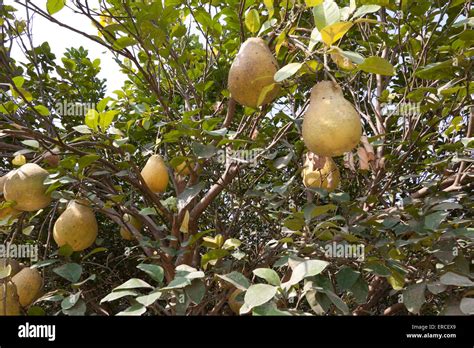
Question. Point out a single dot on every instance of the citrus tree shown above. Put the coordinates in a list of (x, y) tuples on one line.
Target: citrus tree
[(196, 188)]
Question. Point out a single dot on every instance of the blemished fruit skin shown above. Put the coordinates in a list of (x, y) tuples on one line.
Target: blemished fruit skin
[(155, 174), (14, 264), (331, 125), (125, 232), (9, 302), (251, 74), (321, 173), (25, 187), (28, 284), (234, 304), (76, 226)]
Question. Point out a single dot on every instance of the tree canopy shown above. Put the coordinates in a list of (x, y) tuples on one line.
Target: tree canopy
[(236, 220)]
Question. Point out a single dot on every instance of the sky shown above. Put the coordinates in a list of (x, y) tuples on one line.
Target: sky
[(60, 38)]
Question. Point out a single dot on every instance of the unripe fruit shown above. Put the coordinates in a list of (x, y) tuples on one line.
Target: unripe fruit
[(28, 284), (331, 126), (251, 81), (320, 172), (155, 174), (125, 232), (76, 226), (25, 187), (52, 158), (185, 168), (9, 302)]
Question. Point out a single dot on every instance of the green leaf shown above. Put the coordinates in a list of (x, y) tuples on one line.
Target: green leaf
[(433, 220), (377, 65), (71, 300), (252, 20), (196, 291), (236, 279), (148, 211), (257, 295), (231, 243), (44, 263), (149, 299), (92, 119), (54, 6), (31, 143), (79, 309), (435, 71), (365, 9), (287, 71), (378, 268), (332, 33), (123, 42), (312, 3), (87, 160), (269, 309), (115, 295), (69, 271), (185, 197), (414, 297), (269, 275), (135, 310), (294, 223), (360, 290), (154, 271), (213, 255), (18, 81), (346, 278), (177, 283), (66, 250), (90, 278), (102, 104), (396, 280), (42, 110), (455, 279), (322, 209), (326, 14), (83, 129), (306, 269), (133, 283), (314, 39), (270, 8), (204, 151), (353, 56), (106, 118)]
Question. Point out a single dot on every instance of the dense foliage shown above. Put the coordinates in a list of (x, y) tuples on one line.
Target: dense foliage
[(405, 197)]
